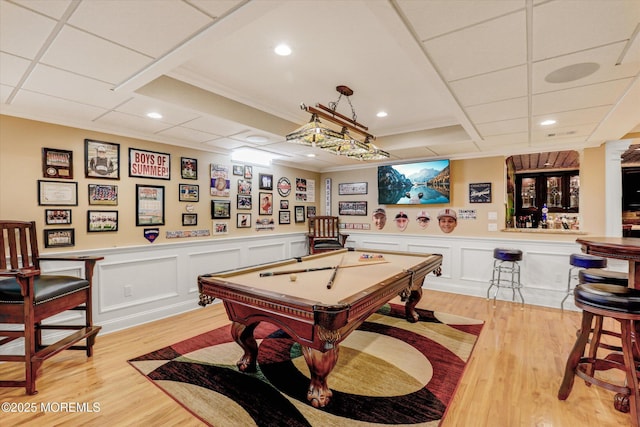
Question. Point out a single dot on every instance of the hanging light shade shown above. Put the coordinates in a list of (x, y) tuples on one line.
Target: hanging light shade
[(314, 134)]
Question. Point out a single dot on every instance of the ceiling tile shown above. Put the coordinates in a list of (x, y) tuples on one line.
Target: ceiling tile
[(579, 97), (15, 22), (149, 27), (13, 68), (82, 53), (434, 17), (52, 8), (504, 127), (593, 23), (497, 111), (74, 87), (44, 106), (141, 105), (489, 46), (186, 134), (131, 122), (490, 87)]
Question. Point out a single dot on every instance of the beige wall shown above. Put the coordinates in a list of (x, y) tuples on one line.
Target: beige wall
[(21, 143), (464, 172)]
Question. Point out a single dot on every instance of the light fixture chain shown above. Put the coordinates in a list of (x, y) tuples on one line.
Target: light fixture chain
[(334, 106)]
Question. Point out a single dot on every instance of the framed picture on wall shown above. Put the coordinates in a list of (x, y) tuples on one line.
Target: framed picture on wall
[(57, 216), (244, 220), (101, 159), (299, 213), (265, 181), (100, 194), (53, 193), (188, 168), (149, 205), (358, 208), (244, 203), (189, 219), (220, 209), (59, 237), (98, 221), (480, 192), (238, 170), (266, 203), (284, 217), (57, 163), (188, 192)]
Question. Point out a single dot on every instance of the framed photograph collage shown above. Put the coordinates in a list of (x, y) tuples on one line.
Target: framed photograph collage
[(102, 159)]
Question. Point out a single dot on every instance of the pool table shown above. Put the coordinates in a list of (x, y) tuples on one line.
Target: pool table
[(320, 307)]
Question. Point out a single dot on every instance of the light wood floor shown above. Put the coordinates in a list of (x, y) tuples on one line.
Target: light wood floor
[(511, 380)]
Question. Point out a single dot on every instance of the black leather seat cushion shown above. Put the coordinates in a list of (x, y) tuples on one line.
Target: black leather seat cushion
[(326, 243), (597, 275), (608, 297), (46, 288), (507, 254), (587, 261)]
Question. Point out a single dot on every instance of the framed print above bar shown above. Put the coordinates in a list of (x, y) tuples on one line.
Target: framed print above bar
[(188, 192), (57, 163), (53, 193), (59, 237), (57, 216), (99, 221), (149, 164), (149, 205), (349, 188), (480, 192), (101, 159), (100, 194), (220, 209)]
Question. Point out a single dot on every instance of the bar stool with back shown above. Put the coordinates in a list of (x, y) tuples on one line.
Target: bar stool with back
[(622, 304), (27, 298)]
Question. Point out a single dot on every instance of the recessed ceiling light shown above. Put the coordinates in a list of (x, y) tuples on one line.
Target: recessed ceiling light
[(548, 122), (154, 115), (282, 50), (257, 139), (311, 155), (382, 114), (251, 155)]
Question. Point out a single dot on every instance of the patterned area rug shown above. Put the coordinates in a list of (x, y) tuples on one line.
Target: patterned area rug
[(389, 372)]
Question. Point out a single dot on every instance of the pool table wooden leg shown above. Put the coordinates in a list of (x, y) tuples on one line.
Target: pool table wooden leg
[(243, 335), (410, 306), (320, 365)]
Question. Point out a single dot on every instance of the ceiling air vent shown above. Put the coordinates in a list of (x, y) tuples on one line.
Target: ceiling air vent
[(553, 135)]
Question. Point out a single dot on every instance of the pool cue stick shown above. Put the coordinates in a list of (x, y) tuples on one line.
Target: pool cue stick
[(333, 276), (300, 270)]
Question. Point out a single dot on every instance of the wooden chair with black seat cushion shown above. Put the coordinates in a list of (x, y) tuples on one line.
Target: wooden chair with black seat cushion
[(324, 234), (27, 298)]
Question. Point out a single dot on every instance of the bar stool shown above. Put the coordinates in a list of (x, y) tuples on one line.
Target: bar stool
[(598, 275), (623, 305), (581, 261), (506, 262)]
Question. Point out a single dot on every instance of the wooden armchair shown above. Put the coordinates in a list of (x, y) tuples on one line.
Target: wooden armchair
[(324, 234), (27, 298)]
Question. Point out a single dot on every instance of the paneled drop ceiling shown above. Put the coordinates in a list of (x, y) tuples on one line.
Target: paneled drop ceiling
[(458, 79)]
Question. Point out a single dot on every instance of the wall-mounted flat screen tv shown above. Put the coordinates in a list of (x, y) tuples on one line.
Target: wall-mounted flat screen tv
[(420, 183)]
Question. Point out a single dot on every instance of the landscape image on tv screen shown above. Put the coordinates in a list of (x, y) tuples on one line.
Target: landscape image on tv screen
[(414, 183)]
